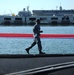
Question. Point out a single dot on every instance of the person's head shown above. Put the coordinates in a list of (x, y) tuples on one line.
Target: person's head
[(38, 21)]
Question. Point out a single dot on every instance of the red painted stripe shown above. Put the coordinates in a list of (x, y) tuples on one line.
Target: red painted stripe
[(58, 35), (20, 35), (15, 35)]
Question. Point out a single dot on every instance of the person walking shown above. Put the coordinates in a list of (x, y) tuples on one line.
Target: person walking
[(36, 31)]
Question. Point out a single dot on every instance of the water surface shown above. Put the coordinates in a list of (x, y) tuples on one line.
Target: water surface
[(50, 46)]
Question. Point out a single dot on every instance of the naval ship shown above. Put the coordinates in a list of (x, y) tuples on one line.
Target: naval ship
[(47, 17)]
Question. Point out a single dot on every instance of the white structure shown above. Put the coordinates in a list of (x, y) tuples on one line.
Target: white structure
[(46, 16), (7, 19), (53, 16)]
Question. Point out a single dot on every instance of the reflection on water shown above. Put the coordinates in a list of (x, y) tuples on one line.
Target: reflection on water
[(50, 46)]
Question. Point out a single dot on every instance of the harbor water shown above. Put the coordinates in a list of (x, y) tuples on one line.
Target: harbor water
[(49, 45)]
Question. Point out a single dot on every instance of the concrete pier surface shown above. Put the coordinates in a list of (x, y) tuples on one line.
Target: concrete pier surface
[(15, 63)]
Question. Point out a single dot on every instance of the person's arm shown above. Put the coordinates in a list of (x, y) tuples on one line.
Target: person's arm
[(41, 31)]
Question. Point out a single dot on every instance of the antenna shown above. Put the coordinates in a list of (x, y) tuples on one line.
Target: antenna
[(60, 6), (60, 3), (27, 8)]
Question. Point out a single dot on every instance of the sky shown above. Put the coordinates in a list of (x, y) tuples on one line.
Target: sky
[(14, 6)]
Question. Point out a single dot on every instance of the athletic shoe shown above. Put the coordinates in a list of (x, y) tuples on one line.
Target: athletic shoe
[(27, 50), (41, 53)]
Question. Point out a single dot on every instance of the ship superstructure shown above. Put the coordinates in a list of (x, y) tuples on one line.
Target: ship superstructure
[(47, 17)]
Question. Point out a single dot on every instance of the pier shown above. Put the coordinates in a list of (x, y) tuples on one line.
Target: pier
[(18, 62)]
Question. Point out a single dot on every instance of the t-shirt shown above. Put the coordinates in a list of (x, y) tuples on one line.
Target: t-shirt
[(36, 30)]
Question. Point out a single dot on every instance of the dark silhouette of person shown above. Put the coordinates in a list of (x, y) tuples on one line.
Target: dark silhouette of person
[(36, 31)]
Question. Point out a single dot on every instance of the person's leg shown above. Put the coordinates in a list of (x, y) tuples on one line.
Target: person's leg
[(33, 44), (39, 46)]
